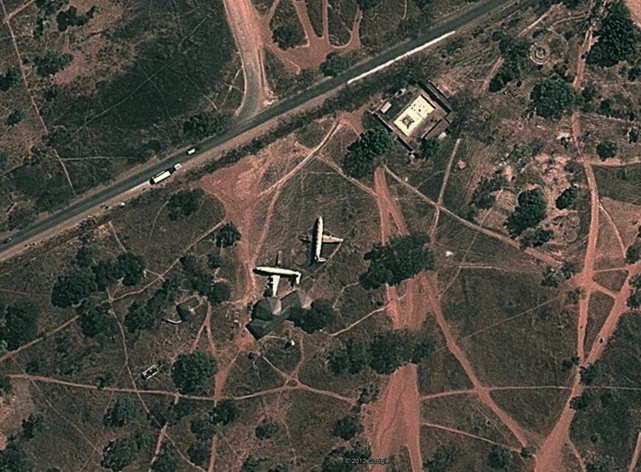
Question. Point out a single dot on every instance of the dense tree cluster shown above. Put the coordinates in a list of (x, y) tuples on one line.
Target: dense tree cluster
[(15, 117), (363, 155), (320, 314), (530, 211), (403, 257), (567, 197), (228, 235), (206, 123), (74, 287), (5, 385), (515, 52), (122, 452), (9, 79), (499, 458), (335, 64), (33, 425), (429, 148), (167, 460), (14, 458), (607, 149), (537, 237), (51, 63), (553, 277), (223, 414), (70, 17), (267, 429), (94, 318), (145, 315), (634, 300), (121, 413), (384, 353), (617, 37), (553, 98), (633, 253), (184, 203), (18, 324), (347, 427), (288, 37), (483, 197), (201, 280), (443, 459), (367, 4), (192, 372), (199, 453), (344, 459)]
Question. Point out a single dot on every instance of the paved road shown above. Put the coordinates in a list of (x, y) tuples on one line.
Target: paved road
[(282, 108)]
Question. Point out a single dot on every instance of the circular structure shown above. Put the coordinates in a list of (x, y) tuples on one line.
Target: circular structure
[(539, 53)]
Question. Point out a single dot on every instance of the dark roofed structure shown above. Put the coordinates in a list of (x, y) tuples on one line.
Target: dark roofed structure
[(187, 309), (270, 312)]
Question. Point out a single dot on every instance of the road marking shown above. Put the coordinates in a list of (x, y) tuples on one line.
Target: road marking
[(402, 56)]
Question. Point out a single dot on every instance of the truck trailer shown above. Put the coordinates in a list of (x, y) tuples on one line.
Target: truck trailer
[(160, 177)]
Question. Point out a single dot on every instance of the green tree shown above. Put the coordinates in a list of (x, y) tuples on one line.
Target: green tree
[(5, 385), (390, 350), (363, 155), (9, 79), (536, 238), (589, 374), (219, 292), (34, 425), (192, 372), (203, 427), (119, 454), (198, 453), (515, 52), (132, 267), (499, 458), (607, 149), (184, 203), (14, 458), (225, 412), (567, 197), (206, 123), (94, 318), (317, 317), (228, 235), (121, 413), (335, 64), (73, 288), (429, 148), (15, 117), (633, 253), (617, 38), (443, 459), (70, 17), (167, 460), (402, 258), (367, 4), (482, 197), (530, 211), (20, 324), (51, 63), (553, 98), (288, 37), (139, 318), (267, 430), (107, 273), (347, 427)]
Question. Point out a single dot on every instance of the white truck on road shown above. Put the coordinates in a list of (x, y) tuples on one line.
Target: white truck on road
[(165, 174)]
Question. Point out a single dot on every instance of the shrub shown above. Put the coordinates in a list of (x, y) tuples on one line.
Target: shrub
[(121, 413), (530, 211), (191, 372), (362, 156), (335, 64), (553, 98), (51, 63), (227, 236), (287, 37), (317, 317), (20, 324), (567, 197), (429, 148), (347, 427), (606, 149), (184, 203)]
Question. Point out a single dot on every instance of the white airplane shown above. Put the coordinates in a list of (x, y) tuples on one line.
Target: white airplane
[(274, 273), (318, 238)]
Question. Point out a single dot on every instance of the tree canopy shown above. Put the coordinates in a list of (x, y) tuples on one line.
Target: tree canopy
[(206, 123), (121, 413), (184, 203), (429, 148), (515, 52), (499, 458), (607, 149), (50, 63), (335, 64), (267, 430), (20, 324), (167, 460), (228, 235), (567, 197), (192, 372), (403, 257), (132, 267), (320, 314), (94, 318), (9, 79), (362, 155), (120, 453), (617, 37), (530, 211), (288, 37), (553, 98), (347, 427)]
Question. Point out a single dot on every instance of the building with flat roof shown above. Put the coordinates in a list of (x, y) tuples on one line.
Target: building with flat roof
[(416, 113)]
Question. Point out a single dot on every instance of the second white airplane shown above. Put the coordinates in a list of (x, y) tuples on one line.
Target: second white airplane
[(318, 238), (274, 273)]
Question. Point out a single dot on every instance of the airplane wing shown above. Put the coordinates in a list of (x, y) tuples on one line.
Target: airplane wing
[(329, 239)]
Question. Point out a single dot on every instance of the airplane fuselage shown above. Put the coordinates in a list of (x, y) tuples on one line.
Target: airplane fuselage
[(317, 243), (267, 270)]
